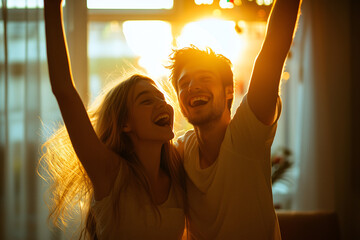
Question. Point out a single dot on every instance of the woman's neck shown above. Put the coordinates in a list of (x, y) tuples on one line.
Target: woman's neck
[(149, 155)]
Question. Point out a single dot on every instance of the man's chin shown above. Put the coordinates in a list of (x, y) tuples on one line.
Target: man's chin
[(197, 121), (203, 119)]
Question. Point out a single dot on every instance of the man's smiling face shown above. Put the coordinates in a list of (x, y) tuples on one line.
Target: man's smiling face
[(201, 93)]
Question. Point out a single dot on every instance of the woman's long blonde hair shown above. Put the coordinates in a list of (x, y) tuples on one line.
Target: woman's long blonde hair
[(70, 186)]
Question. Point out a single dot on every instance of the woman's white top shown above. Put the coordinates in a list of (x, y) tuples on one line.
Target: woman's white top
[(137, 218)]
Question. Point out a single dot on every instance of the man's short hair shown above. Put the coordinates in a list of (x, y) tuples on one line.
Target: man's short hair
[(179, 58)]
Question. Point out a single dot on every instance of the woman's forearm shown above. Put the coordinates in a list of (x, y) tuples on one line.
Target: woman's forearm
[(57, 54)]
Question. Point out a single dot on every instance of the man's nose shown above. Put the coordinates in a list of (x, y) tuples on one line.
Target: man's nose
[(194, 85)]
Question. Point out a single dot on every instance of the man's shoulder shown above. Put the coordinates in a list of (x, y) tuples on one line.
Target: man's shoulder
[(188, 134), (185, 138), (183, 141)]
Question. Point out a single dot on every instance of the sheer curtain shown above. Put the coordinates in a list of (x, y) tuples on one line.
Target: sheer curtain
[(320, 108), (26, 103), (23, 77)]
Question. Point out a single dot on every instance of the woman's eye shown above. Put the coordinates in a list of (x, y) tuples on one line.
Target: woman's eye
[(147, 101)]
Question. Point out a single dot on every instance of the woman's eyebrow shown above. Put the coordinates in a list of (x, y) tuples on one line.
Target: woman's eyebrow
[(155, 93), (142, 93)]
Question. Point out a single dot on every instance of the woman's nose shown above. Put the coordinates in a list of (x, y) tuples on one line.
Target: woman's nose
[(161, 102)]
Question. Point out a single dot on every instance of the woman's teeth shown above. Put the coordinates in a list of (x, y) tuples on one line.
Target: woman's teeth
[(163, 119)]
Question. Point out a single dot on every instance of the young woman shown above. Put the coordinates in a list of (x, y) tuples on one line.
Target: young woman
[(116, 160)]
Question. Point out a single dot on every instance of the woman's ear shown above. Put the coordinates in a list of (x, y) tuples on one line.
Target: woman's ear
[(126, 128)]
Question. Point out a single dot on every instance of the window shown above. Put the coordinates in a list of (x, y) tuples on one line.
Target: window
[(118, 45), (126, 4)]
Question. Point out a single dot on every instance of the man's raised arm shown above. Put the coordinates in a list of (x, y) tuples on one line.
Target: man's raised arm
[(264, 85)]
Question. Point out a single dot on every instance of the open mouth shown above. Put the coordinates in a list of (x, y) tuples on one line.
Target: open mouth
[(163, 120), (198, 101)]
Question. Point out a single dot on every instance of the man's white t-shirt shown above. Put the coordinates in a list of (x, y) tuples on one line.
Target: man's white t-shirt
[(232, 199)]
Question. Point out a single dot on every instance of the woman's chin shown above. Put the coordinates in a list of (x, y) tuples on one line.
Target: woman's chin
[(172, 136), (169, 136)]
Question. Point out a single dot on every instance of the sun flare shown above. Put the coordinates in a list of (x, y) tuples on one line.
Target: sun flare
[(220, 35)]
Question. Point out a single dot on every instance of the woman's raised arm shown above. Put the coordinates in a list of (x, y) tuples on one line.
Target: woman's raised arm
[(98, 161)]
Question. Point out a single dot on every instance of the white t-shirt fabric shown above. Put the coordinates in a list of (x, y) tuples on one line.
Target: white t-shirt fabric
[(138, 220), (232, 198)]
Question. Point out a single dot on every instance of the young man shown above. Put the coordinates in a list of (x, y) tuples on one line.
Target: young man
[(228, 160)]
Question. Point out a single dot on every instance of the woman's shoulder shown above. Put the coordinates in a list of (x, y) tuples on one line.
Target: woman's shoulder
[(116, 171)]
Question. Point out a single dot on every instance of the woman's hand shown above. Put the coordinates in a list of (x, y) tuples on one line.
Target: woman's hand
[(53, 2)]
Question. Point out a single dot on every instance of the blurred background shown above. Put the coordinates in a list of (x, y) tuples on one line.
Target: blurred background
[(315, 154)]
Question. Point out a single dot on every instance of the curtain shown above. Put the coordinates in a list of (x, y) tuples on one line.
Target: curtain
[(29, 112), (25, 100), (320, 109)]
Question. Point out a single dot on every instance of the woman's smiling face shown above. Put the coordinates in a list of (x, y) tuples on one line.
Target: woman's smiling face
[(150, 117)]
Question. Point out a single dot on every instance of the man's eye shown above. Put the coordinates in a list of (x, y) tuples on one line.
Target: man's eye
[(183, 85)]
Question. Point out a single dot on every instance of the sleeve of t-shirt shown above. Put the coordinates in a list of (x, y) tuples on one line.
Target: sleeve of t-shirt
[(247, 130), (179, 145), (182, 143)]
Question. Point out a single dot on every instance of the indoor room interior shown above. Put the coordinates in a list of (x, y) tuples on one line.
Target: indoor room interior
[(315, 154)]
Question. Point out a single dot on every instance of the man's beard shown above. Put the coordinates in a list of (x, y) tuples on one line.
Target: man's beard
[(205, 119)]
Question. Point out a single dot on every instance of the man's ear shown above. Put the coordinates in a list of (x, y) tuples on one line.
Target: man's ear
[(229, 91), (126, 128)]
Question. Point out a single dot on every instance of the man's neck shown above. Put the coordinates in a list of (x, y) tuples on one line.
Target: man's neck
[(210, 137)]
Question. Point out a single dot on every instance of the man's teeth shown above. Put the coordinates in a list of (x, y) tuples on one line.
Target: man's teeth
[(196, 101)]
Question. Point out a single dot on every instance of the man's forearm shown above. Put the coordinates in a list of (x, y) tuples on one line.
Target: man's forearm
[(264, 85), (281, 26)]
